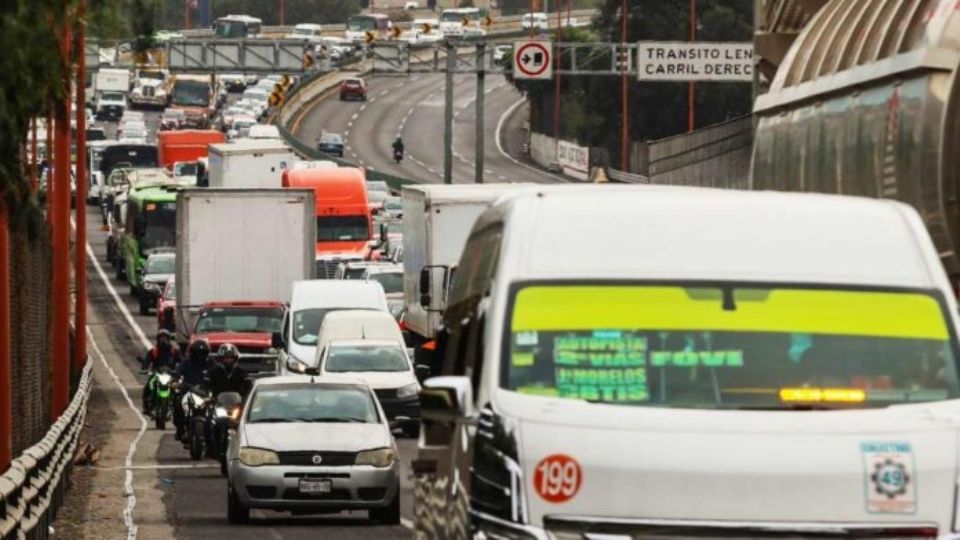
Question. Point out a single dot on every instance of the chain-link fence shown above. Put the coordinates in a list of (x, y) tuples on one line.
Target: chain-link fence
[(30, 310)]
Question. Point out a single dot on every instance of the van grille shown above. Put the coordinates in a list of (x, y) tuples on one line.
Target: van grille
[(326, 268)]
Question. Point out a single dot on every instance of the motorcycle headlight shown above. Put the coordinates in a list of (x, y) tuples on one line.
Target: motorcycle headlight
[(381, 457), (256, 457), (409, 390), (220, 411)]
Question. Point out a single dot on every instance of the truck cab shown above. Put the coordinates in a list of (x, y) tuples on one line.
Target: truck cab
[(344, 225), (249, 325)]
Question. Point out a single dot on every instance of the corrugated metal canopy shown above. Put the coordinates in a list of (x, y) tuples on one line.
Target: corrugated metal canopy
[(849, 33)]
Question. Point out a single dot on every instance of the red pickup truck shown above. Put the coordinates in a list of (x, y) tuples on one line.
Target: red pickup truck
[(248, 325)]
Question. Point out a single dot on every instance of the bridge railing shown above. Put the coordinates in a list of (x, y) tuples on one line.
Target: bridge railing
[(33, 488)]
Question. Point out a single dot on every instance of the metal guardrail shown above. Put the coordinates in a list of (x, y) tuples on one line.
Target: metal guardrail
[(621, 177), (33, 489)]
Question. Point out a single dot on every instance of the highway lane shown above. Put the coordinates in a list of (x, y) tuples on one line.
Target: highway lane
[(413, 107), (195, 498)]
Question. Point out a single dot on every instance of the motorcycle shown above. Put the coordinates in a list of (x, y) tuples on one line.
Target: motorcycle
[(195, 402), (223, 417), (162, 383), (398, 155)]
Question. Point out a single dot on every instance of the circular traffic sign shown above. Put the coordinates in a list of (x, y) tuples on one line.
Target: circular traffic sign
[(532, 59)]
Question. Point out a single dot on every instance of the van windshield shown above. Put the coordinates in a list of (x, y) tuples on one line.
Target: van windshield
[(730, 347)]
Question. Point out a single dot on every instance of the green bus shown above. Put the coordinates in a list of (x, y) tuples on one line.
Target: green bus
[(150, 225)]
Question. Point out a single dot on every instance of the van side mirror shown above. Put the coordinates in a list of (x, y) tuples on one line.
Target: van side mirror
[(446, 400), (422, 371), (432, 287), (276, 340)]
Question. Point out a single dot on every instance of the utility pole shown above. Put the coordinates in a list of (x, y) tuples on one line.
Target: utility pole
[(558, 67), (448, 115), (692, 91), (80, 251), (478, 121), (624, 95), (282, 14), (186, 14), (6, 351), (59, 190)]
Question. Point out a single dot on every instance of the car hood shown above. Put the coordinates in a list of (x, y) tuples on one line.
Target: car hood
[(244, 339), (304, 437), (745, 466), (379, 381), (157, 278)]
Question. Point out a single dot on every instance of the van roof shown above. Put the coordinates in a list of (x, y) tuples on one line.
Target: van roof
[(337, 293), (454, 193), (356, 324), (636, 232)]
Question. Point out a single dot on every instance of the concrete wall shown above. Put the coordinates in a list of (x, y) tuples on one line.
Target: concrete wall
[(716, 156), (543, 150)]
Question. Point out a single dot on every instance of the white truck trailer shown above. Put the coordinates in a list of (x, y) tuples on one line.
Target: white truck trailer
[(249, 163), (436, 222), (241, 244)]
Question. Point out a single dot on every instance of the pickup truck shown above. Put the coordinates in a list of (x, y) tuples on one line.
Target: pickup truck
[(248, 325)]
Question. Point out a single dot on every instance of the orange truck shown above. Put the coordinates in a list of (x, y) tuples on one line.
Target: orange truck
[(344, 226), (185, 145)]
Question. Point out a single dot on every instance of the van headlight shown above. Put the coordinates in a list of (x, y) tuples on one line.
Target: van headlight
[(409, 390), (381, 457), (256, 457)]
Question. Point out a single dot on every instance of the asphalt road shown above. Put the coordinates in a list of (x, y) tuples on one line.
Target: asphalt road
[(195, 494), (413, 107)]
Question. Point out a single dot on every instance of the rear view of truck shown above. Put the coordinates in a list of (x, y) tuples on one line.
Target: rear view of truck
[(237, 250)]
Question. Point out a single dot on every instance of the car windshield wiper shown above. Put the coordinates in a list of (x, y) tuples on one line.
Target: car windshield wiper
[(335, 419), (274, 420)]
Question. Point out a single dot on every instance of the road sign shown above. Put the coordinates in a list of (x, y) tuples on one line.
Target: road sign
[(425, 28), (700, 61), (369, 37), (487, 21), (532, 60), (395, 32), (276, 99)]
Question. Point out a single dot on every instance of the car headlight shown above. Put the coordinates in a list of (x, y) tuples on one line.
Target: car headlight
[(256, 457), (409, 390), (151, 286), (295, 365), (381, 457)]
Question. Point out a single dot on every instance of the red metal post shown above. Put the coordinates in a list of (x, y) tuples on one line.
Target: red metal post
[(186, 14), (33, 154), (60, 187), (692, 92), (6, 401), (48, 159), (282, 13), (624, 97), (80, 251)]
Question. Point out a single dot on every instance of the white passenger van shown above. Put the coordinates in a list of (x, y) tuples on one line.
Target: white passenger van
[(628, 362), (310, 303)]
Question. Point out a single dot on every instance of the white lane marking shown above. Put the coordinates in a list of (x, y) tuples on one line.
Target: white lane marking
[(355, 115), (350, 124), (160, 467), (499, 138), (362, 107), (128, 489), (116, 297), (407, 523), (384, 92)]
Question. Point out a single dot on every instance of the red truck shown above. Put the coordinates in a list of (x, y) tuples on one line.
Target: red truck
[(248, 325), (344, 226), (185, 145)]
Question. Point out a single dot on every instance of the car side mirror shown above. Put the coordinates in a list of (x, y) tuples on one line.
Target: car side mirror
[(446, 399), (422, 371)]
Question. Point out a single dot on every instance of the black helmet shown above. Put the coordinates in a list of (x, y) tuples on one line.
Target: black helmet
[(200, 349), (228, 350)]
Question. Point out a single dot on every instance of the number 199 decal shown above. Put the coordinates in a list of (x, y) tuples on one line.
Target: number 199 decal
[(557, 478)]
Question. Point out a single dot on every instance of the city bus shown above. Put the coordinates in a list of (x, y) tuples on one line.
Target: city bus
[(237, 27), (150, 225), (377, 24)]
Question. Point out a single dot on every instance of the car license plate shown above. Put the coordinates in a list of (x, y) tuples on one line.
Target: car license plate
[(315, 487)]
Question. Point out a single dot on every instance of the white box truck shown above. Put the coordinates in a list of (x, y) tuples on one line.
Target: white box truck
[(436, 222), (111, 87), (239, 251), (249, 163)]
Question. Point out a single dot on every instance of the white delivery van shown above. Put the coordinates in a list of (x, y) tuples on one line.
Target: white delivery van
[(357, 324), (633, 362), (249, 163), (310, 303)]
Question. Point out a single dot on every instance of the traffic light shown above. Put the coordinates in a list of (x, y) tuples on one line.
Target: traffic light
[(622, 60)]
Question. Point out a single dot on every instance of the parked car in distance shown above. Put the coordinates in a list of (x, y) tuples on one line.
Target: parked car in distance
[(172, 119), (167, 306), (331, 143), (310, 445), (393, 207), (159, 269), (353, 88)]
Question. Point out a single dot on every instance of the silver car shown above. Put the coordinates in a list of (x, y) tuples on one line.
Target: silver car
[(308, 446)]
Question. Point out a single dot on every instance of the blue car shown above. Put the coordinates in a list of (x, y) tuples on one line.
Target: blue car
[(331, 143)]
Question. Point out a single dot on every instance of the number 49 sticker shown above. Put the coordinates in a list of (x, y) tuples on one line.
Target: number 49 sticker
[(557, 478)]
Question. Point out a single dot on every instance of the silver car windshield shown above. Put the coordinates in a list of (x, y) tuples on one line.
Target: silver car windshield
[(350, 358), (312, 403)]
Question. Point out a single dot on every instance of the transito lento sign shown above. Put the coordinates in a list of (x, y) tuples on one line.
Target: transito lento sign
[(697, 61)]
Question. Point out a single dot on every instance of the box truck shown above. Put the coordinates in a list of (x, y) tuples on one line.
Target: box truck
[(239, 251), (255, 163)]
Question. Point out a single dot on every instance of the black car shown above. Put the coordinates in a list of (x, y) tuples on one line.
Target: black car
[(331, 143), (160, 267)]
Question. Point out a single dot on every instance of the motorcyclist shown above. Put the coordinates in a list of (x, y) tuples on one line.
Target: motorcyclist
[(398, 148), (162, 355), (191, 373), (227, 376)]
